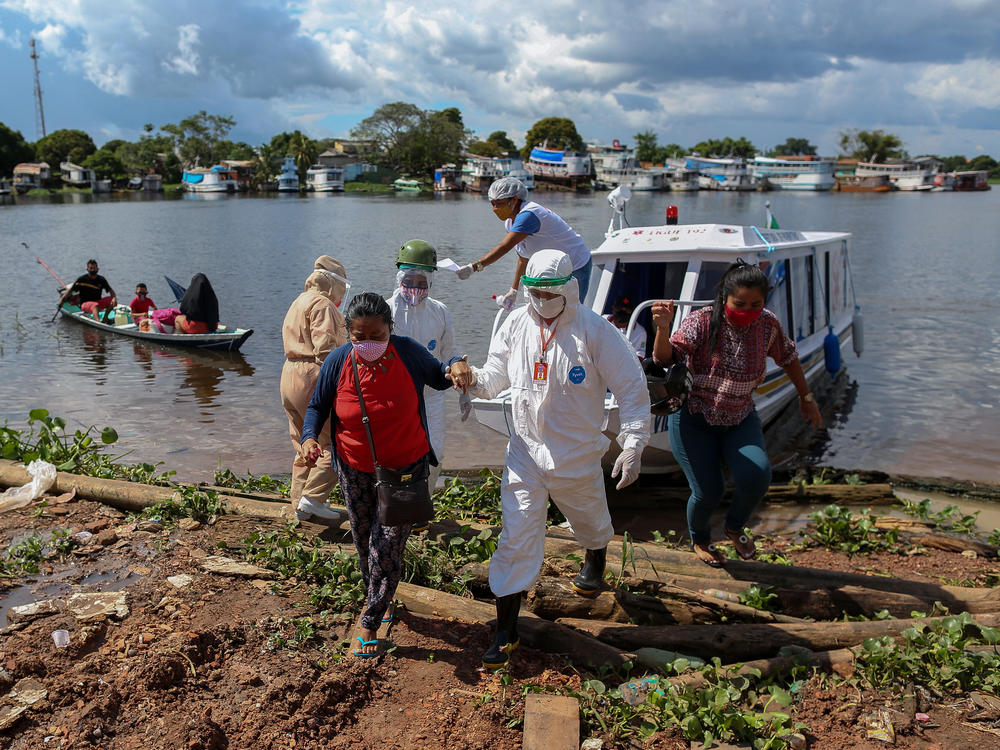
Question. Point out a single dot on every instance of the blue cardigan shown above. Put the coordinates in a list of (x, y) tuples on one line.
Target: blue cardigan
[(424, 369)]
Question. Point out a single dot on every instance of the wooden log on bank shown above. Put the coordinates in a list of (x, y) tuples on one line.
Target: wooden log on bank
[(828, 661), (128, 496), (541, 634), (742, 641), (658, 563), (951, 543)]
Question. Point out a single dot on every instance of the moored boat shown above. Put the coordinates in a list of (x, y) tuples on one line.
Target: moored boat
[(513, 166), (480, 172), (972, 180), (794, 172), (218, 179), (120, 321), (863, 183), (569, 169), (288, 179), (406, 185), (448, 179), (905, 174), (323, 179), (811, 296), (722, 174)]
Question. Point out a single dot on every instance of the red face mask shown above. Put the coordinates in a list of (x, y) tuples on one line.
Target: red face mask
[(742, 318)]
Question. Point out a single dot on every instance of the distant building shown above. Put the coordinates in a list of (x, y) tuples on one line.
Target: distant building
[(31, 175), (347, 158), (75, 175)]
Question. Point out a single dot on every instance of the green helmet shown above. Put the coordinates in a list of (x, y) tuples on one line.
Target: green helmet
[(417, 254)]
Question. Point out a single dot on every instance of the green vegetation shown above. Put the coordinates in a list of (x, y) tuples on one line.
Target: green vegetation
[(949, 519), (839, 529), (759, 597), (13, 150), (406, 138), (24, 557), (254, 483), (726, 147), (553, 132), (368, 187), (203, 506), (794, 147), (437, 565), (64, 145), (873, 145), (938, 655), (470, 501)]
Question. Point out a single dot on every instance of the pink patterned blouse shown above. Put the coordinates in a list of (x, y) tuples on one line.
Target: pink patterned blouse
[(724, 383)]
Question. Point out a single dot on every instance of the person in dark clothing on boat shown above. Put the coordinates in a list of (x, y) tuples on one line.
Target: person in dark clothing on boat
[(87, 289), (199, 308)]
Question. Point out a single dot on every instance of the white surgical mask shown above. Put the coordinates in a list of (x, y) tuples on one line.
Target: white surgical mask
[(548, 308)]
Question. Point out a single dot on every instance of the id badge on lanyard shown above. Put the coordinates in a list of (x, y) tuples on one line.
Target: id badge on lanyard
[(540, 372)]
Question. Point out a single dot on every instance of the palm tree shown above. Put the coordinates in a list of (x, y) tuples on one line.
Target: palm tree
[(305, 151), (264, 166)]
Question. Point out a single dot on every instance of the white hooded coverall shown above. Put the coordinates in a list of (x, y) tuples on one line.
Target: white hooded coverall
[(429, 323), (557, 441), (313, 327)]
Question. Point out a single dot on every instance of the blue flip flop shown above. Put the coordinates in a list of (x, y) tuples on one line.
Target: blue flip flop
[(365, 654), (390, 613)]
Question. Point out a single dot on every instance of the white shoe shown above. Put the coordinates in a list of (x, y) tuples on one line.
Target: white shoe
[(307, 508)]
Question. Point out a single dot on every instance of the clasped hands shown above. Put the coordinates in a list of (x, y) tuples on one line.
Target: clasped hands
[(461, 375)]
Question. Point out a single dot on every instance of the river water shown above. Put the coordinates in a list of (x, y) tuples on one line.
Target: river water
[(927, 275)]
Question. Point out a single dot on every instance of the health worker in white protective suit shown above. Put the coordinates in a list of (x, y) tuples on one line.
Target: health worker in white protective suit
[(559, 359), (427, 320)]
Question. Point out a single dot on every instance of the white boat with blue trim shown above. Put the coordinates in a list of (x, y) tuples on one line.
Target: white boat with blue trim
[(812, 295)]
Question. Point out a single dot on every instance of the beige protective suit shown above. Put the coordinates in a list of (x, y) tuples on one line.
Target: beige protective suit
[(313, 328)]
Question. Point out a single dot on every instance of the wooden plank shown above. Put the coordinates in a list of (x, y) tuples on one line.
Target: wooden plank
[(551, 722)]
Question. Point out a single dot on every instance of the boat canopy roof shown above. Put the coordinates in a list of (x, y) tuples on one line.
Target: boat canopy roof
[(647, 243)]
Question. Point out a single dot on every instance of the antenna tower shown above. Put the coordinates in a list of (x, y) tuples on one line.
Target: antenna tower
[(39, 111)]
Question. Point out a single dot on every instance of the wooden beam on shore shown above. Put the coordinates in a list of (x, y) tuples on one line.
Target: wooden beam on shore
[(541, 634), (130, 496), (551, 722), (742, 641)]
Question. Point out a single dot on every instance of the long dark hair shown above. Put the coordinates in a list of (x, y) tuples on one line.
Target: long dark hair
[(368, 305), (740, 275)]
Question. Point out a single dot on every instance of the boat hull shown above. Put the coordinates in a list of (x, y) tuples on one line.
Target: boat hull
[(226, 340)]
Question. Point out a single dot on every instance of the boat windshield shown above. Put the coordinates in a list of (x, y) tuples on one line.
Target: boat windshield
[(638, 282)]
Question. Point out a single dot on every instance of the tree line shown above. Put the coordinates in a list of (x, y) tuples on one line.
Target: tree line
[(400, 137)]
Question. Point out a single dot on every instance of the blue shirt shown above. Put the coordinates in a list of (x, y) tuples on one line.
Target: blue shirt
[(547, 231)]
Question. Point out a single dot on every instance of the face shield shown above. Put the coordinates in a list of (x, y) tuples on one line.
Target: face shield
[(546, 280), (335, 280)]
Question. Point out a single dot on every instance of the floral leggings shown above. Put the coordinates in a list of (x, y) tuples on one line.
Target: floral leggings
[(380, 548)]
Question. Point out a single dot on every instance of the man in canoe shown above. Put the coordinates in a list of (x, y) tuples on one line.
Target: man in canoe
[(88, 288)]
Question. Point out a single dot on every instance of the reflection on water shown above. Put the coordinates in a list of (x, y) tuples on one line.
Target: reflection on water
[(925, 272)]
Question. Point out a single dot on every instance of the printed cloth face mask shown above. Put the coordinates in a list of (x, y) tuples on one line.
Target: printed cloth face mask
[(413, 295), (370, 351)]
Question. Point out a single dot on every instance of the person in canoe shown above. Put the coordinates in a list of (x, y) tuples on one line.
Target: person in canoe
[(530, 228), (141, 304), (87, 292), (199, 311)]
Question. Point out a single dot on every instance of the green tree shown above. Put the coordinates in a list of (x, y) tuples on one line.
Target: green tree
[(670, 151), (500, 138), (874, 146), (237, 150), (264, 164), (304, 150), (198, 139), (486, 148), (794, 147), (436, 139), (645, 146), (984, 162), (106, 165), (553, 132), (64, 145), (726, 147), (389, 129), (13, 150), (453, 115)]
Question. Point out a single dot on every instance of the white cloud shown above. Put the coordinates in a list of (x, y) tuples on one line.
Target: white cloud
[(970, 82), (185, 62)]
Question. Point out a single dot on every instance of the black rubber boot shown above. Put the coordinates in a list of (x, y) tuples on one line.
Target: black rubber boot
[(588, 583), (505, 640)]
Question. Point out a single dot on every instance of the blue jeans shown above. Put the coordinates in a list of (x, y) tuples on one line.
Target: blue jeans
[(582, 276), (701, 449)]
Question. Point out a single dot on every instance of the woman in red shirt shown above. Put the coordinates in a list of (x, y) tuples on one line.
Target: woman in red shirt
[(393, 371), (725, 347)]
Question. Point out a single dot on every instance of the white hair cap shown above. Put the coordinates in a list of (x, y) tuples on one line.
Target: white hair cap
[(508, 187)]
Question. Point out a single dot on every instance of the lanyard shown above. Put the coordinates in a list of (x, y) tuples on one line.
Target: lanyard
[(546, 342)]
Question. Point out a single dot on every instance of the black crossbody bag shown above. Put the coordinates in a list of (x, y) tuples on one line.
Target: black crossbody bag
[(404, 496)]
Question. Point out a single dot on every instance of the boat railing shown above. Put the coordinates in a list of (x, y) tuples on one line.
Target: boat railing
[(681, 306)]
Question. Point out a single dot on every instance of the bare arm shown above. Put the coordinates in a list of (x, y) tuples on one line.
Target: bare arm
[(509, 241), (809, 408), (663, 318), (522, 263)]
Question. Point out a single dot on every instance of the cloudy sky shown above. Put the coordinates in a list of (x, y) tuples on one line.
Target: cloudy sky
[(926, 70)]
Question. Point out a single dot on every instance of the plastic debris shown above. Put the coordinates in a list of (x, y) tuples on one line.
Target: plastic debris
[(634, 692), (60, 638), (43, 476), (658, 658), (921, 717), (880, 727)]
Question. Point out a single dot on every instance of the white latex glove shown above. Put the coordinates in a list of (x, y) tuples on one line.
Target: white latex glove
[(507, 301), (465, 405), (465, 271), (627, 465)]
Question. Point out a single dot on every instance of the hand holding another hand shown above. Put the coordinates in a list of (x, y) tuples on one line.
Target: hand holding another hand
[(311, 452), (461, 375)]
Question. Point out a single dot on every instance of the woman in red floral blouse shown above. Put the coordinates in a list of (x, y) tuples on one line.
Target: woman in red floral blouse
[(725, 347)]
